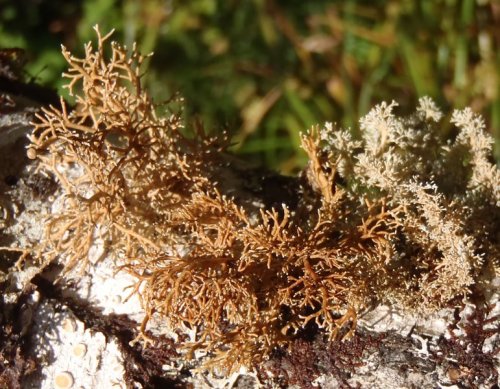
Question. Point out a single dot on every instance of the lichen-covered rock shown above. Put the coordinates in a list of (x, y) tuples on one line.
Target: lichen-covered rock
[(145, 227)]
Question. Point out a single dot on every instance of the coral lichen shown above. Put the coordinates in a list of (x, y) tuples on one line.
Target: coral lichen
[(378, 218)]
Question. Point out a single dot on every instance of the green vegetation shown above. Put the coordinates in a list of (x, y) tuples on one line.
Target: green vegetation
[(265, 70)]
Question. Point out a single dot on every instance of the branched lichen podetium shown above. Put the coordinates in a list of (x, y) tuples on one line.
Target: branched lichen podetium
[(378, 220)]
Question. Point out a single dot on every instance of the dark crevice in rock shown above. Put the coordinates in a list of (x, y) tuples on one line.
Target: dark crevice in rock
[(15, 362), (142, 365)]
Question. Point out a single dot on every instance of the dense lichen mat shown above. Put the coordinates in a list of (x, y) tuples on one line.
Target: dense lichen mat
[(405, 215)]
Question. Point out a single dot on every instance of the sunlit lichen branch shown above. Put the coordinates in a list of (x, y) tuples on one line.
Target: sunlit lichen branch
[(378, 219)]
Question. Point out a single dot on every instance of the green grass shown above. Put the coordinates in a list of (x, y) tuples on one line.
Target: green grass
[(266, 70)]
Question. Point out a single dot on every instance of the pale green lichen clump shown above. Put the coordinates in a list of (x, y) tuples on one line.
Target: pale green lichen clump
[(448, 190), (405, 215)]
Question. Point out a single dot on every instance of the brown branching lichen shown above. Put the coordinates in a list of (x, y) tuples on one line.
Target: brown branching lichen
[(369, 227), (305, 361), (467, 359)]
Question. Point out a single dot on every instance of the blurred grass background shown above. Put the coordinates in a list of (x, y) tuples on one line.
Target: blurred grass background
[(264, 70)]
